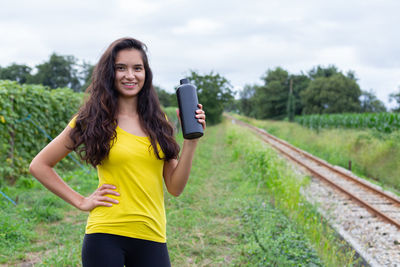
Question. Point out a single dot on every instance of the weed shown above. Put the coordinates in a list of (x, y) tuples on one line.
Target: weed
[(15, 231)]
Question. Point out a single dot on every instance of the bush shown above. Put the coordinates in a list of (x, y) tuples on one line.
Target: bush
[(29, 114)]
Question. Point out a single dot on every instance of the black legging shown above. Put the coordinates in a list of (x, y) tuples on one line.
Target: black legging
[(107, 250)]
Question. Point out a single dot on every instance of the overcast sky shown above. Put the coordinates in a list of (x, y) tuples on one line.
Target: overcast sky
[(240, 40)]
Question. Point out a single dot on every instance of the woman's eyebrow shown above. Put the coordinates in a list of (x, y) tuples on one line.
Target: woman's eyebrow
[(123, 64)]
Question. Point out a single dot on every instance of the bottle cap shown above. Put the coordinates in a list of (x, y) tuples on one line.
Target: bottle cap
[(184, 81)]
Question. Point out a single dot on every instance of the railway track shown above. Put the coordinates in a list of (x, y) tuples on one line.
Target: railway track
[(362, 212)]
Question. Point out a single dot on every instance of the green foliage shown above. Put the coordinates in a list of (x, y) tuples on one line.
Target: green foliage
[(166, 99), (214, 93), (291, 104), (247, 100), (300, 83), (322, 90), (86, 75), (24, 108), (395, 97), (47, 209), (276, 240), (272, 98), (323, 72), (370, 103), (334, 94), (382, 122), (66, 254), (16, 230), (42, 228), (59, 71), (16, 72)]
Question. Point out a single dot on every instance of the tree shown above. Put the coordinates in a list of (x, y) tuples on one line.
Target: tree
[(370, 103), (290, 105), (166, 99), (271, 98), (214, 92), (395, 97), (16, 72), (86, 75), (246, 101), (300, 83), (320, 71), (59, 71), (233, 106), (334, 93)]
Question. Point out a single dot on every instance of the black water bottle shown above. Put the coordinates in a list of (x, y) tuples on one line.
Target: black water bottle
[(187, 101)]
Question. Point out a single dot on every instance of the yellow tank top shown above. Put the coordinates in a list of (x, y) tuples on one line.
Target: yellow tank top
[(135, 170)]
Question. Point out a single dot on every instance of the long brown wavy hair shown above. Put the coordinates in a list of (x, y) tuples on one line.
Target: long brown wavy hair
[(96, 121)]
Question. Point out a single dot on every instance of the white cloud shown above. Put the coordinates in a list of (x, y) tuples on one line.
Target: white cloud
[(198, 26), (238, 39), (138, 7), (23, 44)]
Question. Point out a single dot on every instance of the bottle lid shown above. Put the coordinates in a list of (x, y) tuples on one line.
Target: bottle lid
[(184, 81)]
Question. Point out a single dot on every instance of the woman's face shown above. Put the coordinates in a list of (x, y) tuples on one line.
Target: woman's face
[(129, 72)]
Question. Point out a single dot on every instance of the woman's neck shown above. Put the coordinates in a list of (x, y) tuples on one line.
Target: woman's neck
[(127, 106)]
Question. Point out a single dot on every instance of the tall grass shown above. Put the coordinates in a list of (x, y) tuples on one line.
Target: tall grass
[(372, 154), (301, 224)]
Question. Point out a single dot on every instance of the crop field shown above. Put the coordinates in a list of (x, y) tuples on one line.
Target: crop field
[(381, 122)]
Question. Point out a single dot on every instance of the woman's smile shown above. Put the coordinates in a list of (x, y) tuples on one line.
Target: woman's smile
[(129, 72)]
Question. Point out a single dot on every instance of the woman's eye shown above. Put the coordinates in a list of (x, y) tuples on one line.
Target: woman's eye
[(120, 68), (138, 68)]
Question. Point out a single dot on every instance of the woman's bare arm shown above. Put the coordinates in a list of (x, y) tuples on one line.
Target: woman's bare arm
[(176, 172), (42, 168)]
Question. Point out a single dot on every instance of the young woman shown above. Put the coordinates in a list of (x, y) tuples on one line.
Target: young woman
[(122, 131)]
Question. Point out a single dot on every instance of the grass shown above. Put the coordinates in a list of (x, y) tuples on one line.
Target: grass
[(241, 207), (373, 155), (297, 222), (44, 226)]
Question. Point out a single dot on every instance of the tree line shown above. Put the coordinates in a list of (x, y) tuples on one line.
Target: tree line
[(57, 72), (321, 90)]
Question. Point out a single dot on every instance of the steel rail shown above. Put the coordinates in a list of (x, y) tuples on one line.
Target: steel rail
[(321, 162), (372, 209)]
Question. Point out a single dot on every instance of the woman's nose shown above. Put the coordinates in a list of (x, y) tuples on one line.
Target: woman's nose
[(130, 74)]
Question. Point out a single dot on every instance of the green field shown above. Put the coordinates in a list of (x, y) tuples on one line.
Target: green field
[(374, 155), (385, 122), (241, 207)]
